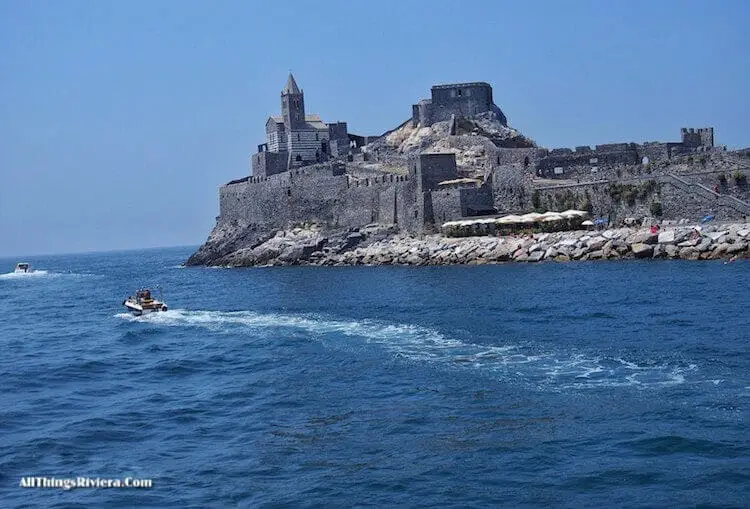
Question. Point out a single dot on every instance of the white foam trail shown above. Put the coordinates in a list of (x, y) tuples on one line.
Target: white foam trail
[(43, 274), (25, 275), (419, 343)]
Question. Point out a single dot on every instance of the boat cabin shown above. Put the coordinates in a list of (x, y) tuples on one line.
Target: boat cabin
[(143, 295)]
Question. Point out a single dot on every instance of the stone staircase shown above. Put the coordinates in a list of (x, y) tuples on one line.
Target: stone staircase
[(723, 200)]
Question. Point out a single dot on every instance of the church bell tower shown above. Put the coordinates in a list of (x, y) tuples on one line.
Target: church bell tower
[(293, 105)]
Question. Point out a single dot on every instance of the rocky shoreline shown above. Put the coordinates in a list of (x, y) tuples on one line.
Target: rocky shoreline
[(379, 245)]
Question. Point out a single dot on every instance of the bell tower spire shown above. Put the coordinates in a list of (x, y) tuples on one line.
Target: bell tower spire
[(293, 105)]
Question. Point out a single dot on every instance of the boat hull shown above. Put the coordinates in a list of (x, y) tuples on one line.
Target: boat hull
[(138, 310)]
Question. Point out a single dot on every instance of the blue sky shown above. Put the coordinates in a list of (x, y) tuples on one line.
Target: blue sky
[(119, 120)]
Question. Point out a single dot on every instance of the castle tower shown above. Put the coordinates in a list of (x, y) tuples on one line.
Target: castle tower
[(293, 105)]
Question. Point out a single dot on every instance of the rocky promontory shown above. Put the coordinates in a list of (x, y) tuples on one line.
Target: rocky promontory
[(384, 245)]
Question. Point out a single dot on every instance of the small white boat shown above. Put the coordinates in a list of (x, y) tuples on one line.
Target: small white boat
[(143, 303), (23, 268)]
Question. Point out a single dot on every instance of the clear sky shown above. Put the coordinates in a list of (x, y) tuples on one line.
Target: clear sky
[(119, 120)]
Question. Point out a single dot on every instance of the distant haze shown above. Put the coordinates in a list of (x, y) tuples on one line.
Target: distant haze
[(118, 121)]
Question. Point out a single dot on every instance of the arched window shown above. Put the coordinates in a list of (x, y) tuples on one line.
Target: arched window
[(298, 158)]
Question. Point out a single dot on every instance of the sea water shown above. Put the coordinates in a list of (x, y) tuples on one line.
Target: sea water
[(593, 384)]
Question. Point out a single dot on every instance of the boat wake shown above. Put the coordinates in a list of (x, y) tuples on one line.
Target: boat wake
[(422, 344), (41, 274), (25, 275)]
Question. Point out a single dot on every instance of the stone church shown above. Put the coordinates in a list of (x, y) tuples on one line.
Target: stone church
[(295, 139)]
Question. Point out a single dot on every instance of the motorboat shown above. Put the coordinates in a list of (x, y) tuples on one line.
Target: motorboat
[(23, 268), (143, 303)]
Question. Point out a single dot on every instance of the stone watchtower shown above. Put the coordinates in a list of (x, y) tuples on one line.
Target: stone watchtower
[(293, 105)]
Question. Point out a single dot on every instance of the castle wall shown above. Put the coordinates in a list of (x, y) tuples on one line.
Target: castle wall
[(319, 193), (527, 156), (510, 188), (462, 100), (455, 203), (267, 163), (446, 205), (431, 169)]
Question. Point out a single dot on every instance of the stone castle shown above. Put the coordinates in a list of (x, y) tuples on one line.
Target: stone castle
[(454, 158)]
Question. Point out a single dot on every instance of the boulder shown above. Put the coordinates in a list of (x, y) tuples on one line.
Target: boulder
[(413, 259), (596, 243), (643, 238), (672, 251), (535, 256), (568, 242), (578, 253), (562, 258), (642, 250), (550, 253), (666, 237), (689, 242), (705, 245), (519, 253), (737, 247), (689, 253)]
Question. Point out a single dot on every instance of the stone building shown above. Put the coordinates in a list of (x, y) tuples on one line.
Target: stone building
[(295, 139), (456, 99)]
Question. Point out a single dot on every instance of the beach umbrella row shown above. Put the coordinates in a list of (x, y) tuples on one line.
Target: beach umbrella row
[(554, 220)]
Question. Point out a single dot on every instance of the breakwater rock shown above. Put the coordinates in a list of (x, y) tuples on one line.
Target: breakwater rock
[(379, 245)]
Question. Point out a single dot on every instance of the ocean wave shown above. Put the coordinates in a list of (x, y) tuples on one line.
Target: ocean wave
[(424, 344)]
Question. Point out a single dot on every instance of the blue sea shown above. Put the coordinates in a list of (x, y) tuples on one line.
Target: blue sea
[(593, 384)]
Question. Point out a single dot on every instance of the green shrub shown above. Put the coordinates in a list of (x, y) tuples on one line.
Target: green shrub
[(722, 179), (739, 178), (536, 200), (656, 209), (629, 195)]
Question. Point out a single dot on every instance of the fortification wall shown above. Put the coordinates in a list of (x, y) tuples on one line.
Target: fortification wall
[(431, 169), (319, 193), (635, 198), (527, 156), (511, 188), (264, 164)]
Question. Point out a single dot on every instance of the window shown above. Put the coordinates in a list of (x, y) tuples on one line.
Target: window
[(297, 136), (459, 92), (298, 158), (416, 213), (316, 136)]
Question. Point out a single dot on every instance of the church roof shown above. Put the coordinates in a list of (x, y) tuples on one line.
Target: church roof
[(291, 86), (313, 120)]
